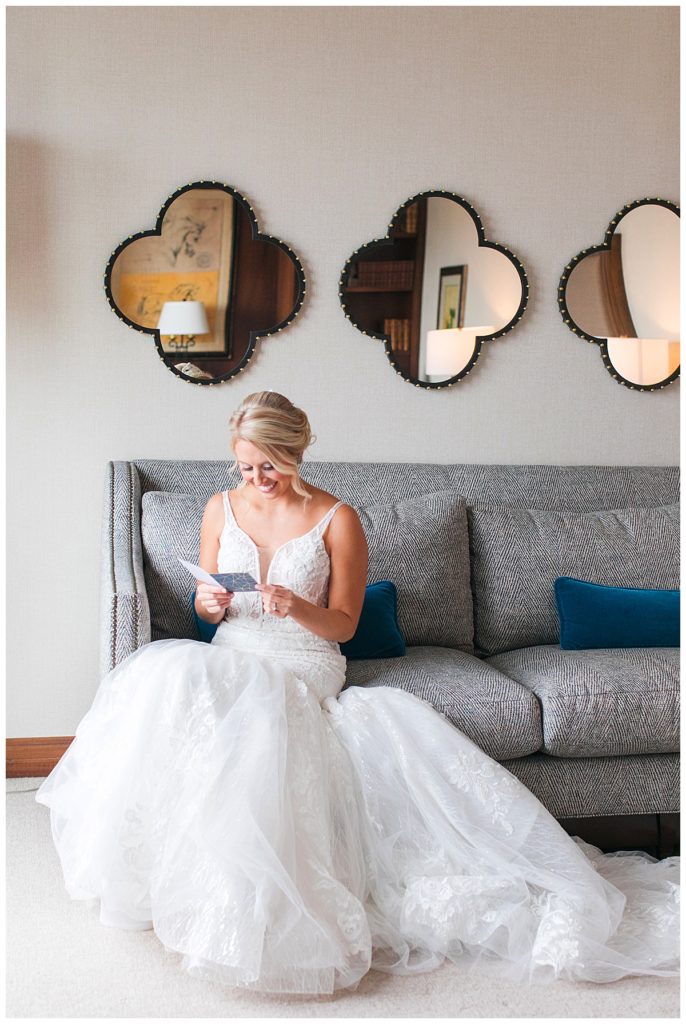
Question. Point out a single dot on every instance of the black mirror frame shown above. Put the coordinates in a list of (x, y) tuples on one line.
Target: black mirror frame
[(605, 246), (256, 235), (482, 243)]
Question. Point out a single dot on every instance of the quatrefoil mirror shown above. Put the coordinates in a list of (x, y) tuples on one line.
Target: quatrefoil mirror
[(205, 283), (433, 289), (623, 295)]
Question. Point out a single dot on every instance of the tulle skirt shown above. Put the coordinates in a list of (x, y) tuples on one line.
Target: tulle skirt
[(286, 837)]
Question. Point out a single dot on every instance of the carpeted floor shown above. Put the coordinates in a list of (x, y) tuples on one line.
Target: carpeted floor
[(62, 963)]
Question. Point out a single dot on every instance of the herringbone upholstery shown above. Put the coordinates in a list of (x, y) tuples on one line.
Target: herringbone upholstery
[(517, 554), (170, 528), (582, 488), (593, 786), (503, 717), (601, 702), (422, 545)]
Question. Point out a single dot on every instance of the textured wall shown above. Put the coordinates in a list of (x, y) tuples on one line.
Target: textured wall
[(548, 119)]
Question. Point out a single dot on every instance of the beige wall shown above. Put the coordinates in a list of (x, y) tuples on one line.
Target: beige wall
[(548, 119)]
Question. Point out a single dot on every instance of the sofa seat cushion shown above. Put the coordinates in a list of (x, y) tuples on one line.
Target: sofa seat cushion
[(498, 714), (601, 702)]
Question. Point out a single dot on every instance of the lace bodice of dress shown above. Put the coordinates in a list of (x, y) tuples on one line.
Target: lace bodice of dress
[(301, 564)]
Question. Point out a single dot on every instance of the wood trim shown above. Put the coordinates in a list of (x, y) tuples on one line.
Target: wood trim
[(614, 292), (34, 756), (417, 288)]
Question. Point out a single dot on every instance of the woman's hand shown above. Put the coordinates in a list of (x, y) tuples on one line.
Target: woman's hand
[(214, 599), (278, 601)]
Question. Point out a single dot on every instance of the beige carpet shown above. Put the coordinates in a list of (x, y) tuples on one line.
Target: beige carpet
[(62, 963)]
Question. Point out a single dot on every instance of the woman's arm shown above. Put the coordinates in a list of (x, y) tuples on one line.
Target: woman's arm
[(347, 547), (211, 602)]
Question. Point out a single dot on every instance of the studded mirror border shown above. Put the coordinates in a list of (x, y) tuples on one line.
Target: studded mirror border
[(482, 243), (604, 246), (256, 234)]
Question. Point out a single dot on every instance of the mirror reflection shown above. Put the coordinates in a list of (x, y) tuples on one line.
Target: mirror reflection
[(433, 288), (205, 283), (625, 294)]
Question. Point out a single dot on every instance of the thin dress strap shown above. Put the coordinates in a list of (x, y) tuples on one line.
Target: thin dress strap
[(323, 523), (228, 511)]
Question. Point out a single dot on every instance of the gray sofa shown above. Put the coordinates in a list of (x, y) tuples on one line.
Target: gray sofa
[(473, 550)]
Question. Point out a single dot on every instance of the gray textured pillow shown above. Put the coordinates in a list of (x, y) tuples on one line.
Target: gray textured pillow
[(518, 553), (170, 527), (422, 545)]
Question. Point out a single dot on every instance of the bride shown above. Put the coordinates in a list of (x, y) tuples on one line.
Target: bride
[(285, 834)]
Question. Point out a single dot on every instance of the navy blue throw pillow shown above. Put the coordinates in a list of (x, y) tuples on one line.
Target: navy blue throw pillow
[(595, 616), (377, 634), (206, 630)]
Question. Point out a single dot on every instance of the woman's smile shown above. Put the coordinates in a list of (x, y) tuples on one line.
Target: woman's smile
[(256, 469)]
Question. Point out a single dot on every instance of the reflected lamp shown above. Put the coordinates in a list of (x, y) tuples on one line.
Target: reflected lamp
[(448, 351), (181, 322)]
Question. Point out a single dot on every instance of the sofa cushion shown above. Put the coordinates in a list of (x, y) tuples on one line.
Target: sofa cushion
[(498, 714), (601, 702), (517, 554), (170, 527), (422, 545)]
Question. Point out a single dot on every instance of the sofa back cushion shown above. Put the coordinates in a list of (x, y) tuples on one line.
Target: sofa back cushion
[(170, 528), (421, 545), (517, 554)]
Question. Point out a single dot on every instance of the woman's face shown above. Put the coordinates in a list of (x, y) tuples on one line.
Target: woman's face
[(258, 472)]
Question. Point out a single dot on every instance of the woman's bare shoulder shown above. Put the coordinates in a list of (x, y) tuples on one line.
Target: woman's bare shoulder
[(345, 522), (322, 501), (345, 535), (214, 508)]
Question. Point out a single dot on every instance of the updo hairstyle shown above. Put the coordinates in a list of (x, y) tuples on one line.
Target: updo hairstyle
[(278, 428)]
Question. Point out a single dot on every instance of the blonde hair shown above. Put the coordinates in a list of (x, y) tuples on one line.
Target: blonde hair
[(278, 428)]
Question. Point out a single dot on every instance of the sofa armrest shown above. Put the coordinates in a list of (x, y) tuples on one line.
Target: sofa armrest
[(124, 607)]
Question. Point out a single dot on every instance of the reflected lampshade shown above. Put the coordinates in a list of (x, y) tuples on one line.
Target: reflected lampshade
[(448, 351), (183, 318)]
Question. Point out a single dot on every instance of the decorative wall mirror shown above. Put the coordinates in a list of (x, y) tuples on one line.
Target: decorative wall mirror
[(205, 283), (433, 289), (623, 295)]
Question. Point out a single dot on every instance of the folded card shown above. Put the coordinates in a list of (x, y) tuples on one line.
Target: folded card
[(233, 581)]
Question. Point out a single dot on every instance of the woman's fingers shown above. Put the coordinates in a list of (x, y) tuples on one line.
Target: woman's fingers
[(214, 598), (276, 600)]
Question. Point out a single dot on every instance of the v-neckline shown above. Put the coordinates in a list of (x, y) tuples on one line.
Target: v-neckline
[(276, 550)]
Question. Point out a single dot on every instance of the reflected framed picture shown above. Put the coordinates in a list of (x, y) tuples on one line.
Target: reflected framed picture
[(452, 289), (191, 260)]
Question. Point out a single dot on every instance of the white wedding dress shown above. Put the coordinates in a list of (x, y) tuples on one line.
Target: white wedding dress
[(285, 836)]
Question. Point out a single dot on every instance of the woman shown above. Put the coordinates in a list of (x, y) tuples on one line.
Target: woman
[(285, 836)]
